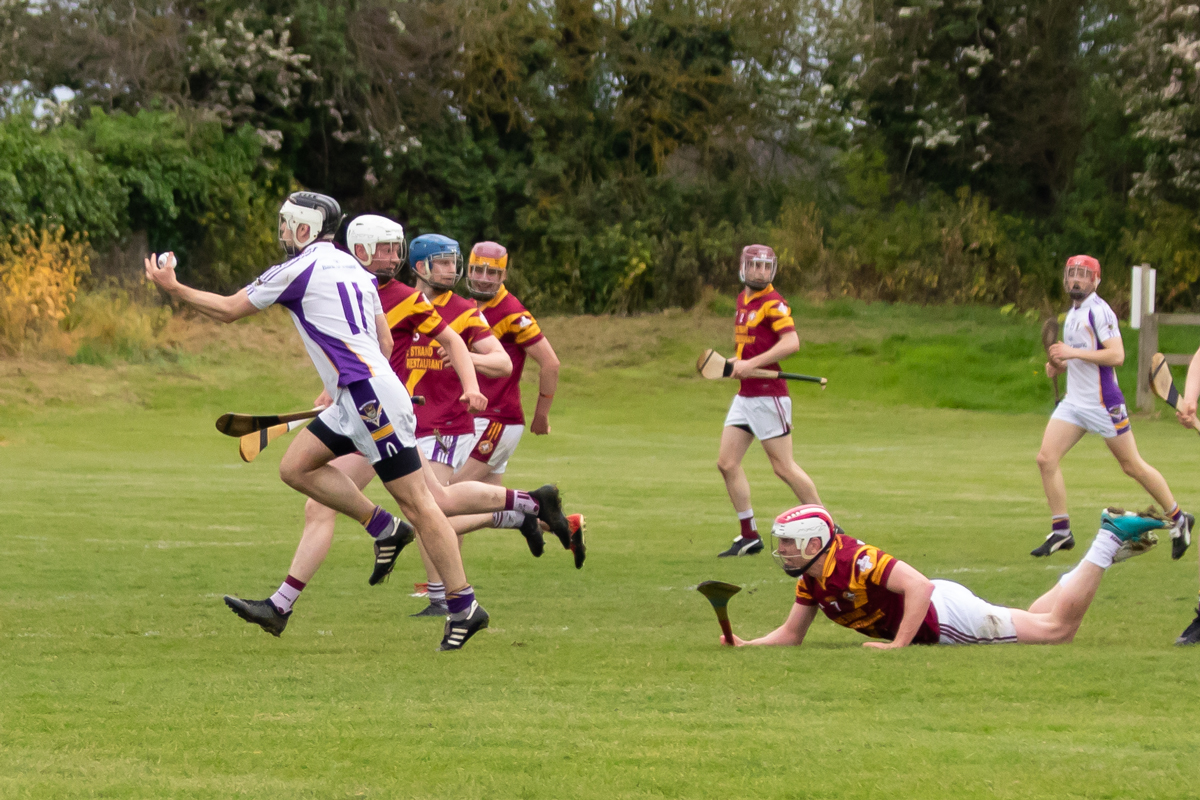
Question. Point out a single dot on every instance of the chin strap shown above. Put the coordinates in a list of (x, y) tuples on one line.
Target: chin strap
[(796, 573)]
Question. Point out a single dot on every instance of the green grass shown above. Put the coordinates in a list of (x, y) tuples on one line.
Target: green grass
[(124, 517)]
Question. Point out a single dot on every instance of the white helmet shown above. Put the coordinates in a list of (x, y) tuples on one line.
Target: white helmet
[(320, 212), (370, 230), (804, 524)]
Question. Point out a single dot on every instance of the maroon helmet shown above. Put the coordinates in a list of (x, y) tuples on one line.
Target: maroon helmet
[(758, 261)]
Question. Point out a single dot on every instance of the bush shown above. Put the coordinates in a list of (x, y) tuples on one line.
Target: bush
[(39, 279), (110, 325)]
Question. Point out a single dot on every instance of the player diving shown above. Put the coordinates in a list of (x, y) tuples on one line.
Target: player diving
[(335, 306), (862, 588), (764, 334), (1089, 354)]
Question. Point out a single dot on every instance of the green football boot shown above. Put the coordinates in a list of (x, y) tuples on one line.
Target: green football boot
[(1135, 530)]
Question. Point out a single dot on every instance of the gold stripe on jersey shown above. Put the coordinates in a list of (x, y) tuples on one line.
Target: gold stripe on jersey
[(414, 378), (415, 303), (510, 325), (384, 432)]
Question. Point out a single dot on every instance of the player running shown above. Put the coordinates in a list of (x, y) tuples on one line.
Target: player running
[(863, 588), (1089, 353), (378, 244), (335, 306), (1186, 414), (764, 335), (498, 429)]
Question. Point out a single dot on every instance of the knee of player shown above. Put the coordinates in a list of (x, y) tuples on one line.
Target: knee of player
[(785, 469), (1045, 460), (290, 473), (1133, 468)]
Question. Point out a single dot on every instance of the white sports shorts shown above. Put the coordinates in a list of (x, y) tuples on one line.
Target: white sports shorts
[(966, 619), (376, 414), (1108, 422), (449, 450), (495, 443), (766, 417)]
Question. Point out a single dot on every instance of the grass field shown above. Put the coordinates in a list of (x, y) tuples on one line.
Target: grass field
[(124, 517)]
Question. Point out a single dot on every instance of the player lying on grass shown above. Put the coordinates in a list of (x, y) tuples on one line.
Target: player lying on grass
[(378, 244), (764, 335), (1186, 414), (1089, 353), (863, 588), (335, 305), (499, 428)]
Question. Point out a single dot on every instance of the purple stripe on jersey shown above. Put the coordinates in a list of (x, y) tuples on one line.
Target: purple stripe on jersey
[(373, 414), (347, 308), (350, 367), (361, 310), (275, 270), (1110, 392)]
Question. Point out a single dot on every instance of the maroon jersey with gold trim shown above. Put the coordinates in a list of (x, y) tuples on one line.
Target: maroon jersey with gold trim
[(853, 592), (423, 372), (516, 329), (762, 318), (408, 312)]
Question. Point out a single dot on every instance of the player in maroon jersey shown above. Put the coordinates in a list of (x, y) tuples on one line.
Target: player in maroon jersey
[(764, 334), (863, 588), (378, 244), (498, 429)]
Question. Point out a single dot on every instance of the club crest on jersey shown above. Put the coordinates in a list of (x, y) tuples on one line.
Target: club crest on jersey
[(371, 412), (848, 595), (485, 447), (524, 322), (864, 563)]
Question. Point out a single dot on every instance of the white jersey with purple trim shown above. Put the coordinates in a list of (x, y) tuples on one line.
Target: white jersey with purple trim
[(333, 302), (1086, 328)]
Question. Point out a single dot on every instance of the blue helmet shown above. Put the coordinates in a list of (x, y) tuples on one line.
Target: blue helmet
[(429, 246)]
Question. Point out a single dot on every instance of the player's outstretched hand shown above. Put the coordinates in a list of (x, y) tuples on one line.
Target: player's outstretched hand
[(883, 645), (1186, 414), (323, 400), (162, 271), (737, 640), (476, 403), (540, 425)]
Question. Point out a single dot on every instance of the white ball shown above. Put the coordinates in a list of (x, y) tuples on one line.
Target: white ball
[(165, 260)]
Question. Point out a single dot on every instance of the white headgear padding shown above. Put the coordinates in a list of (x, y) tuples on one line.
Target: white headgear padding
[(802, 524), (293, 216), (371, 229)]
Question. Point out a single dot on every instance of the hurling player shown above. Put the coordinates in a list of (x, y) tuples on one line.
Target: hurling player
[(1089, 353), (764, 335), (498, 428), (378, 244), (1187, 417), (336, 308), (863, 588)]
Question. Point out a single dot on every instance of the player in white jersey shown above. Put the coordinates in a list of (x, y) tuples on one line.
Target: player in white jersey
[(1090, 352), (335, 306)]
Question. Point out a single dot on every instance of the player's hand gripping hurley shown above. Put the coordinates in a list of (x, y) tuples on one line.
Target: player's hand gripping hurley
[(1161, 383), (713, 365), (718, 594)]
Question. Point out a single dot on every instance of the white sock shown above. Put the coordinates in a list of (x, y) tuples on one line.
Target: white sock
[(507, 519), (1103, 548), (437, 593)]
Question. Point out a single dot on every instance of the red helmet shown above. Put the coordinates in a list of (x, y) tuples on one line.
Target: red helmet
[(486, 256), (1087, 262), (754, 255)]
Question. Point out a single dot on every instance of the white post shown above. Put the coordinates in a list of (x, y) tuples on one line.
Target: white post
[(1135, 299), (1148, 290)]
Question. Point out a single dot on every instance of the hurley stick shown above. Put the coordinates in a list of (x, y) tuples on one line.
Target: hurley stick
[(1161, 383), (241, 424), (1049, 337), (713, 365), (718, 594)]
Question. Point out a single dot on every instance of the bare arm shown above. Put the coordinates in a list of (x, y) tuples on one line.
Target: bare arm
[(790, 633), (1112, 353), (917, 591), (489, 357), (548, 364), (788, 343), (1191, 392), (386, 343), (221, 308)]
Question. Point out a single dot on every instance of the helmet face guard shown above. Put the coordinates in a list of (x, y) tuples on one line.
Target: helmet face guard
[(370, 231), (758, 266), (321, 213), (802, 525), (1081, 276), (486, 270), (436, 260)]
